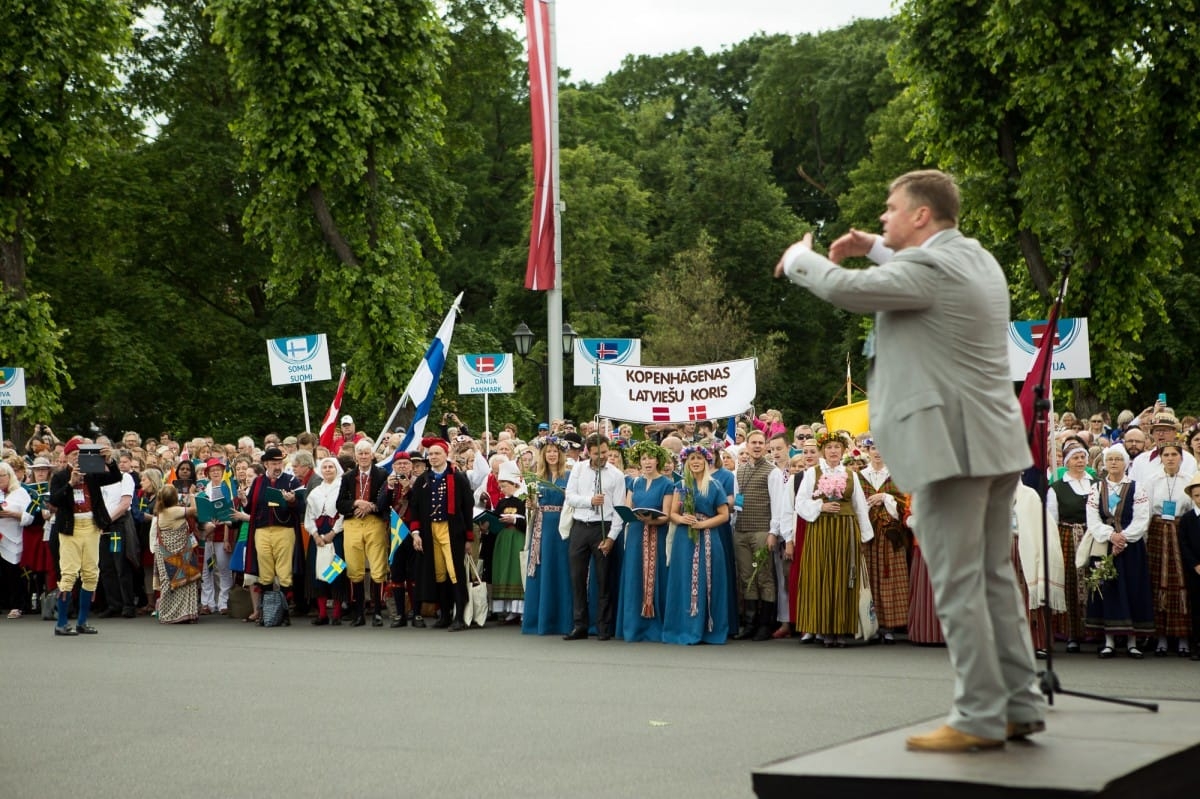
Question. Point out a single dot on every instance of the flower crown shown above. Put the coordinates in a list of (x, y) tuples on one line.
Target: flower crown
[(828, 437), (704, 452), (553, 441), (642, 449)]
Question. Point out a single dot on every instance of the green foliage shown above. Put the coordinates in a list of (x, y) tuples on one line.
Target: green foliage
[(340, 116), (1064, 122), (33, 342)]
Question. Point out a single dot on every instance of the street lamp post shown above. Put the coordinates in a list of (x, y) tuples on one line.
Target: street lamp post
[(523, 339)]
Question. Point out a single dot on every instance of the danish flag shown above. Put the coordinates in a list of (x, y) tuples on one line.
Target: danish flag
[(660, 413), (485, 364), (697, 413)]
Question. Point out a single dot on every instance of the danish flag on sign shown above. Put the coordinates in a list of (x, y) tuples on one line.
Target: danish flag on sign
[(660, 413), (606, 350), (1037, 332), (484, 364), (697, 413)]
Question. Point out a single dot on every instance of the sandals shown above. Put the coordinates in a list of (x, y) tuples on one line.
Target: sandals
[(1106, 652), (1136, 653), (14, 614), (253, 617), (1073, 647)]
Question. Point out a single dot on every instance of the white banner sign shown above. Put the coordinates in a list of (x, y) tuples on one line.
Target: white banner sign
[(589, 352), (298, 359), (676, 393), (12, 386), (1071, 359), (485, 373)]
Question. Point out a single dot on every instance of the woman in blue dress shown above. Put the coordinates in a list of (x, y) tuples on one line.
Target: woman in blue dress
[(643, 591), (697, 592), (547, 576)]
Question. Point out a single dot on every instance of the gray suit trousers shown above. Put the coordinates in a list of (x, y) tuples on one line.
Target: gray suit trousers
[(964, 525)]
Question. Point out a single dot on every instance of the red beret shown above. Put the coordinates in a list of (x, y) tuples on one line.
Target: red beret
[(71, 446), (402, 456), (431, 442)]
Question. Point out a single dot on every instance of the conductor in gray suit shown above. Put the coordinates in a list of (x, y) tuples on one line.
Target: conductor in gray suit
[(944, 415)]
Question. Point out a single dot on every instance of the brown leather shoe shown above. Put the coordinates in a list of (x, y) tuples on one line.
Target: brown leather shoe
[(948, 739), (1020, 730)]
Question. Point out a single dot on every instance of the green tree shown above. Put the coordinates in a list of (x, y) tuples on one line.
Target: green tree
[(57, 58), (1070, 124), (340, 120)]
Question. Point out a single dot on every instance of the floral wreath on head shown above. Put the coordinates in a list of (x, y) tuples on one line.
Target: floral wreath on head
[(854, 455), (828, 438), (703, 452), (553, 441), (635, 453)]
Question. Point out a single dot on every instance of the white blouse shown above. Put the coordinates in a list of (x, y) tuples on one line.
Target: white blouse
[(1136, 530), (1082, 487), (12, 537), (809, 507), (1160, 488), (322, 501)]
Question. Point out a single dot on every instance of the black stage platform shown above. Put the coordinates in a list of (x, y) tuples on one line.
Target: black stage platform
[(1089, 748)]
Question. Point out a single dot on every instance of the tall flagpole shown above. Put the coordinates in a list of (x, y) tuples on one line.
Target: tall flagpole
[(554, 309)]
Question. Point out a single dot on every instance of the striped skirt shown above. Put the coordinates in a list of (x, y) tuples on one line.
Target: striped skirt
[(888, 570), (1168, 589), (1070, 624), (923, 624), (827, 601)]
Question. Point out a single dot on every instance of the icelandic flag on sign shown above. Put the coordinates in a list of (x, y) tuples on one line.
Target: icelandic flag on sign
[(424, 382), (399, 532), (606, 351)]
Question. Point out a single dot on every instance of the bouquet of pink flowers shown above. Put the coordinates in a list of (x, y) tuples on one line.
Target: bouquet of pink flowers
[(831, 488)]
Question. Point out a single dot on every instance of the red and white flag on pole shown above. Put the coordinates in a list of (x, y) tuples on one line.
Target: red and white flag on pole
[(1040, 375), (329, 426), (539, 270)]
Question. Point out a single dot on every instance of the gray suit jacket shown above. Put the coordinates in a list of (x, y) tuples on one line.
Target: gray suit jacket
[(941, 401)]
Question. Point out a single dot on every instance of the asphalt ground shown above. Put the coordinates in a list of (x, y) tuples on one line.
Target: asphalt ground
[(227, 709)]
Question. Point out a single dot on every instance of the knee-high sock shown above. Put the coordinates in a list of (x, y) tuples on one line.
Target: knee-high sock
[(64, 605), (85, 605)]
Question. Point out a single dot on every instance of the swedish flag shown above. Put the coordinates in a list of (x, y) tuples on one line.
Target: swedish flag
[(335, 568), (399, 533)]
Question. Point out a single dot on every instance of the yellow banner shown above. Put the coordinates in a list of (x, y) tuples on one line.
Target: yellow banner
[(852, 417)]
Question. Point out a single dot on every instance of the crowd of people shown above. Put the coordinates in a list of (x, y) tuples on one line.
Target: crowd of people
[(679, 536)]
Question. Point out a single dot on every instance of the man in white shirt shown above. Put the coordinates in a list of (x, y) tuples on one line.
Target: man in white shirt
[(594, 490), (783, 516), (116, 570)]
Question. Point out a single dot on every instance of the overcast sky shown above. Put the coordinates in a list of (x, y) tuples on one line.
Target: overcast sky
[(594, 35)]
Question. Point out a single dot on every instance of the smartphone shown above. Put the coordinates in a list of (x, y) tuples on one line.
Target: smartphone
[(1162, 397)]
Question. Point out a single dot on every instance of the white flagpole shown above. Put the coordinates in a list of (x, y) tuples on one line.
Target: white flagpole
[(554, 309), (304, 398)]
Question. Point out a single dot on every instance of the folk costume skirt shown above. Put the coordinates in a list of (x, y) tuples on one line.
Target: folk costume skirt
[(1172, 616), (827, 601)]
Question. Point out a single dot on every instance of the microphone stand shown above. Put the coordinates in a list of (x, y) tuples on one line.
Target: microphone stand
[(1040, 427)]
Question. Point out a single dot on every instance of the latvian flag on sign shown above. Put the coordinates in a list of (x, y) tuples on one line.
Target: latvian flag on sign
[(485, 364), (661, 413)]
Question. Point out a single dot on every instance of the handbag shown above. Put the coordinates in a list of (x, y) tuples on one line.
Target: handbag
[(274, 610), (1089, 548), (476, 610), (868, 623), (565, 518)]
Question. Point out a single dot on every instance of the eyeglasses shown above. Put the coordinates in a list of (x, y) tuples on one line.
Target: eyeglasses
[(1096, 421)]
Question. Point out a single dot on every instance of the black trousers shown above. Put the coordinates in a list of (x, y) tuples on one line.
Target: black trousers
[(1193, 589), (116, 572), (583, 550)]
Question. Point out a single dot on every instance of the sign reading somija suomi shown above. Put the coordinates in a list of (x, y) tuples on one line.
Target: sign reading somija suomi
[(649, 394)]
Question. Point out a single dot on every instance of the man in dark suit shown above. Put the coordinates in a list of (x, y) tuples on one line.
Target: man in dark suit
[(443, 505), (364, 531), (944, 415)]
